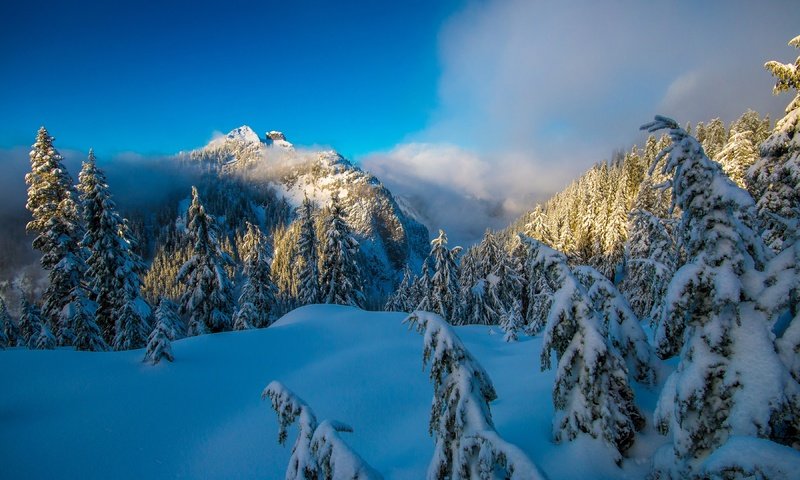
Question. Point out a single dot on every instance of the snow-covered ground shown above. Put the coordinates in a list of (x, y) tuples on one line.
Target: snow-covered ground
[(68, 414)]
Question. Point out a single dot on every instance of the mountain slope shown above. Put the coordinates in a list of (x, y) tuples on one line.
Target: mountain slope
[(389, 237)]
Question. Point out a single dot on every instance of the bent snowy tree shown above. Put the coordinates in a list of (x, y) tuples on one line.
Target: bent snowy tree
[(591, 394), (318, 453), (467, 445), (730, 380)]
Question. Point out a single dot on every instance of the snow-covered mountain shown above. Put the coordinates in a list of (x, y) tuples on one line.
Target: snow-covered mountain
[(388, 235)]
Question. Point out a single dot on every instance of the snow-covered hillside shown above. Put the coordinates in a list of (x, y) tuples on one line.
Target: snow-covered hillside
[(69, 414)]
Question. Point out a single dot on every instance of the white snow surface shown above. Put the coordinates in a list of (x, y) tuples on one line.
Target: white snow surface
[(70, 414)]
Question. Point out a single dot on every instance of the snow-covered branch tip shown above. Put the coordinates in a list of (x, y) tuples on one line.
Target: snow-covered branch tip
[(660, 123), (318, 452), (467, 445)]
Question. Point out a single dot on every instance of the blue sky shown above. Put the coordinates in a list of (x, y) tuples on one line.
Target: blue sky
[(479, 108), (157, 77)]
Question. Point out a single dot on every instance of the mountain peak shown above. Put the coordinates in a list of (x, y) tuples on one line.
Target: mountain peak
[(244, 134), (277, 138)]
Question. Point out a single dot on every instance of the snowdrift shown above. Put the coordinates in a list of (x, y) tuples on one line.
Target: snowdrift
[(69, 414)]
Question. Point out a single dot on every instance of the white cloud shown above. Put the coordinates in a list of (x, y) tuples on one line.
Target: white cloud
[(533, 93)]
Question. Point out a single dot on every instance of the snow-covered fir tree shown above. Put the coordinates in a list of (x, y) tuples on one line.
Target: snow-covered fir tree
[(340, 276), (650, 265), (114, 269), (730, 381), (48, 184), (774, 179), (208, 296), (738, 156), (56, 221), (45, 340), (30, 322), (166, 313), (81, 312), (402, 298), (511, 321), (10, 330), (467, 445), (257, 300), (308, 281), (442, 294), (159, 346), (318, 452), (591, 394), (620, 324)]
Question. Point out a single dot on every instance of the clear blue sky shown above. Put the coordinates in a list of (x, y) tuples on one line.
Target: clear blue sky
[(157, 77)]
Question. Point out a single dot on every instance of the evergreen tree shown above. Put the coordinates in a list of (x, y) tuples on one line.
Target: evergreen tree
[(716, 136), (399, 301), (443, 295), (591, 393), (56, 222), (158, 343), (308, 289), (48, 184), (467, 445), (114, 267), (257, 300), (318, 453), (45, 340), (651, 264), (88, 336), (10, 330), (166, 314), (30, 322), (737, 156), (340, 275), (730, 381), (620, 324), (208, 296), (511, 321), (774, 179)]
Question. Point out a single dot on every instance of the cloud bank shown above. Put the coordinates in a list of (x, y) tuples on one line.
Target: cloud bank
[(533, 93)]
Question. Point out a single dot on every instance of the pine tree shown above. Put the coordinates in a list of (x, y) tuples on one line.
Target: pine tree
[(467, 445), (399, 301), (257, 300), (319, 452), (158, 343), (339, 272), (52, 201), (591, 393), (166, 314), (737, 156), (45, 340), (442, 295), (9, 328), (308, 275), (30, 323), (620, 324), (88, 336), (651, 264), (114, 267), (730, 381), (48, 184), (511, 321), (208, 296), (716, 136), (774, 179)]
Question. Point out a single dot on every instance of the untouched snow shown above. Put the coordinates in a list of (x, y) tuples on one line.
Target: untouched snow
[(68, 414)]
